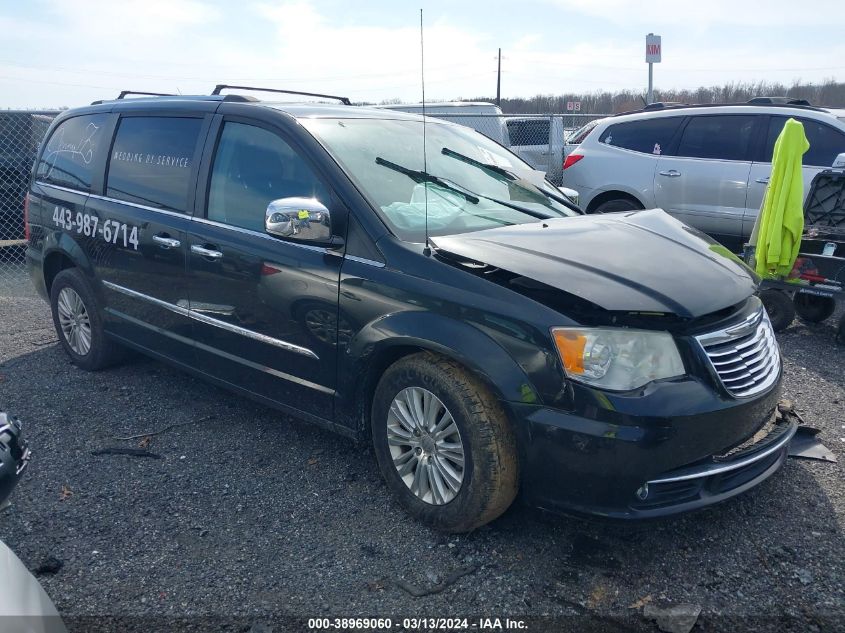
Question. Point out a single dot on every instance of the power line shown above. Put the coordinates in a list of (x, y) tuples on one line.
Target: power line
[(346, 77)]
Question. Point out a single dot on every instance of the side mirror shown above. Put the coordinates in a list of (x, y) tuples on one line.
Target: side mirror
[(301, 219), (839, 161), (571, 194)]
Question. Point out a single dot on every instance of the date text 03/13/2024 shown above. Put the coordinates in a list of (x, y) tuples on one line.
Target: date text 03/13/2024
[(418, 624)]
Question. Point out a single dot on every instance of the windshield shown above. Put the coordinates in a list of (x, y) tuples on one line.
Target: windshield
[(468, 183)]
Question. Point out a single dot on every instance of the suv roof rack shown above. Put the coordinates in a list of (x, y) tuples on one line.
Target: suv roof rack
[(123, 94), (756, 102), (659, 105), (215, 97), (219, 87), (778, 101)]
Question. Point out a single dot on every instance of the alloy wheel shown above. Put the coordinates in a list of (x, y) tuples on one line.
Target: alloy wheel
[(74, 321), (425, 445)]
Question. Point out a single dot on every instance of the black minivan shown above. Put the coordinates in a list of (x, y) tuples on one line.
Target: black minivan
[(411, 282)]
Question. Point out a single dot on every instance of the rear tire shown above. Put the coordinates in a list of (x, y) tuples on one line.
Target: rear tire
[(618, 204), (813, 309), (479, 452), (77, 316), (779, 307)]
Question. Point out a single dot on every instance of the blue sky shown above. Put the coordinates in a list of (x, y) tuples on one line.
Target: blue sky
[(70, 52)]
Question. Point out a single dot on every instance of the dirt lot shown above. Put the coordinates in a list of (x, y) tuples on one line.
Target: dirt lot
[(255, 517)]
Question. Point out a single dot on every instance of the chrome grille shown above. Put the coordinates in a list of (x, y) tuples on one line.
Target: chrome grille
[(745, 356)]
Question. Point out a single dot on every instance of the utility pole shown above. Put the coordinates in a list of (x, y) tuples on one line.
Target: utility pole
[(499, 81)]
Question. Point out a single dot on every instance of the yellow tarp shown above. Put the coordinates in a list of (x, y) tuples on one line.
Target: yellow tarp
[(782, 215)]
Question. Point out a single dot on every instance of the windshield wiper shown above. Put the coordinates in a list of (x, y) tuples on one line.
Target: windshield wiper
[(505, 175), (495, 170), (510, 205), (422, 177)]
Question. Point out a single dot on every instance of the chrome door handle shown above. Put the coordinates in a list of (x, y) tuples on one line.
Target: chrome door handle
[(206, 252), (672, 173), (763, 181), (166, 242)]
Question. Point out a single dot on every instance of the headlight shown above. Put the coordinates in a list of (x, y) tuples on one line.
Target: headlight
[(616, 358)]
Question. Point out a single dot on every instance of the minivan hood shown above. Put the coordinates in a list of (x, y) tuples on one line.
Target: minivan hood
[(643, 261)]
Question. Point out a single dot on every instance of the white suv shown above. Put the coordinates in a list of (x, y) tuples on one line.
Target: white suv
[(707, 165)]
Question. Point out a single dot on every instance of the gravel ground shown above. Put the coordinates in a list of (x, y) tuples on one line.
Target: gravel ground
[(251, 515)]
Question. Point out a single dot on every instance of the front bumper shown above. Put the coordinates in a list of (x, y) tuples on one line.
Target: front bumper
[(714, 481), (672, 438)]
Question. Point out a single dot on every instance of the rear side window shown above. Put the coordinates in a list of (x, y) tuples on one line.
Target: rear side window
[(826, 142), (650, 136), (581, 133), (726, 137), (71, 153), (151, 161), (530, 132)]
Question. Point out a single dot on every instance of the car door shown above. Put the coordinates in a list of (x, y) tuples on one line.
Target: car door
[(266, 307), (705, 179), (139, 230), (624, 159), (826, 143)]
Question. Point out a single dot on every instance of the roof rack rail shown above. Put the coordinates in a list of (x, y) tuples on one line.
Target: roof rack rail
[(659, 105), (219, 87), (774, 103), (123, 94), (778, 101)]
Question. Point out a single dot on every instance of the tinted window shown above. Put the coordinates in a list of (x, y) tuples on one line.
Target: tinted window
[(581, 133), (72, 151), (532, 132), (826, 142), (650, 136), (151, 161), (253, 167), (719, 137)]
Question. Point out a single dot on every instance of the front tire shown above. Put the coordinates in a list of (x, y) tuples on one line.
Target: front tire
[(443, 443), (78, 319)]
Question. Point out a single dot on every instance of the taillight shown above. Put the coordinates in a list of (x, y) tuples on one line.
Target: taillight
[(571, 159), (26, 217)]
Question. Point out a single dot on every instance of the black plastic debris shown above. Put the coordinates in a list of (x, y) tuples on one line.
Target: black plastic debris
[(806, 445)]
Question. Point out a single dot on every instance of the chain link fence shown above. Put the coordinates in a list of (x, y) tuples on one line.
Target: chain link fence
[(20, 134)]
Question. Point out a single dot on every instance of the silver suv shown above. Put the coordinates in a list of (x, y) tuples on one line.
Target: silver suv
[(707, 165)]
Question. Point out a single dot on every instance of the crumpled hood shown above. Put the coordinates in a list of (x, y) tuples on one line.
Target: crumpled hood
[(643, 261)]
